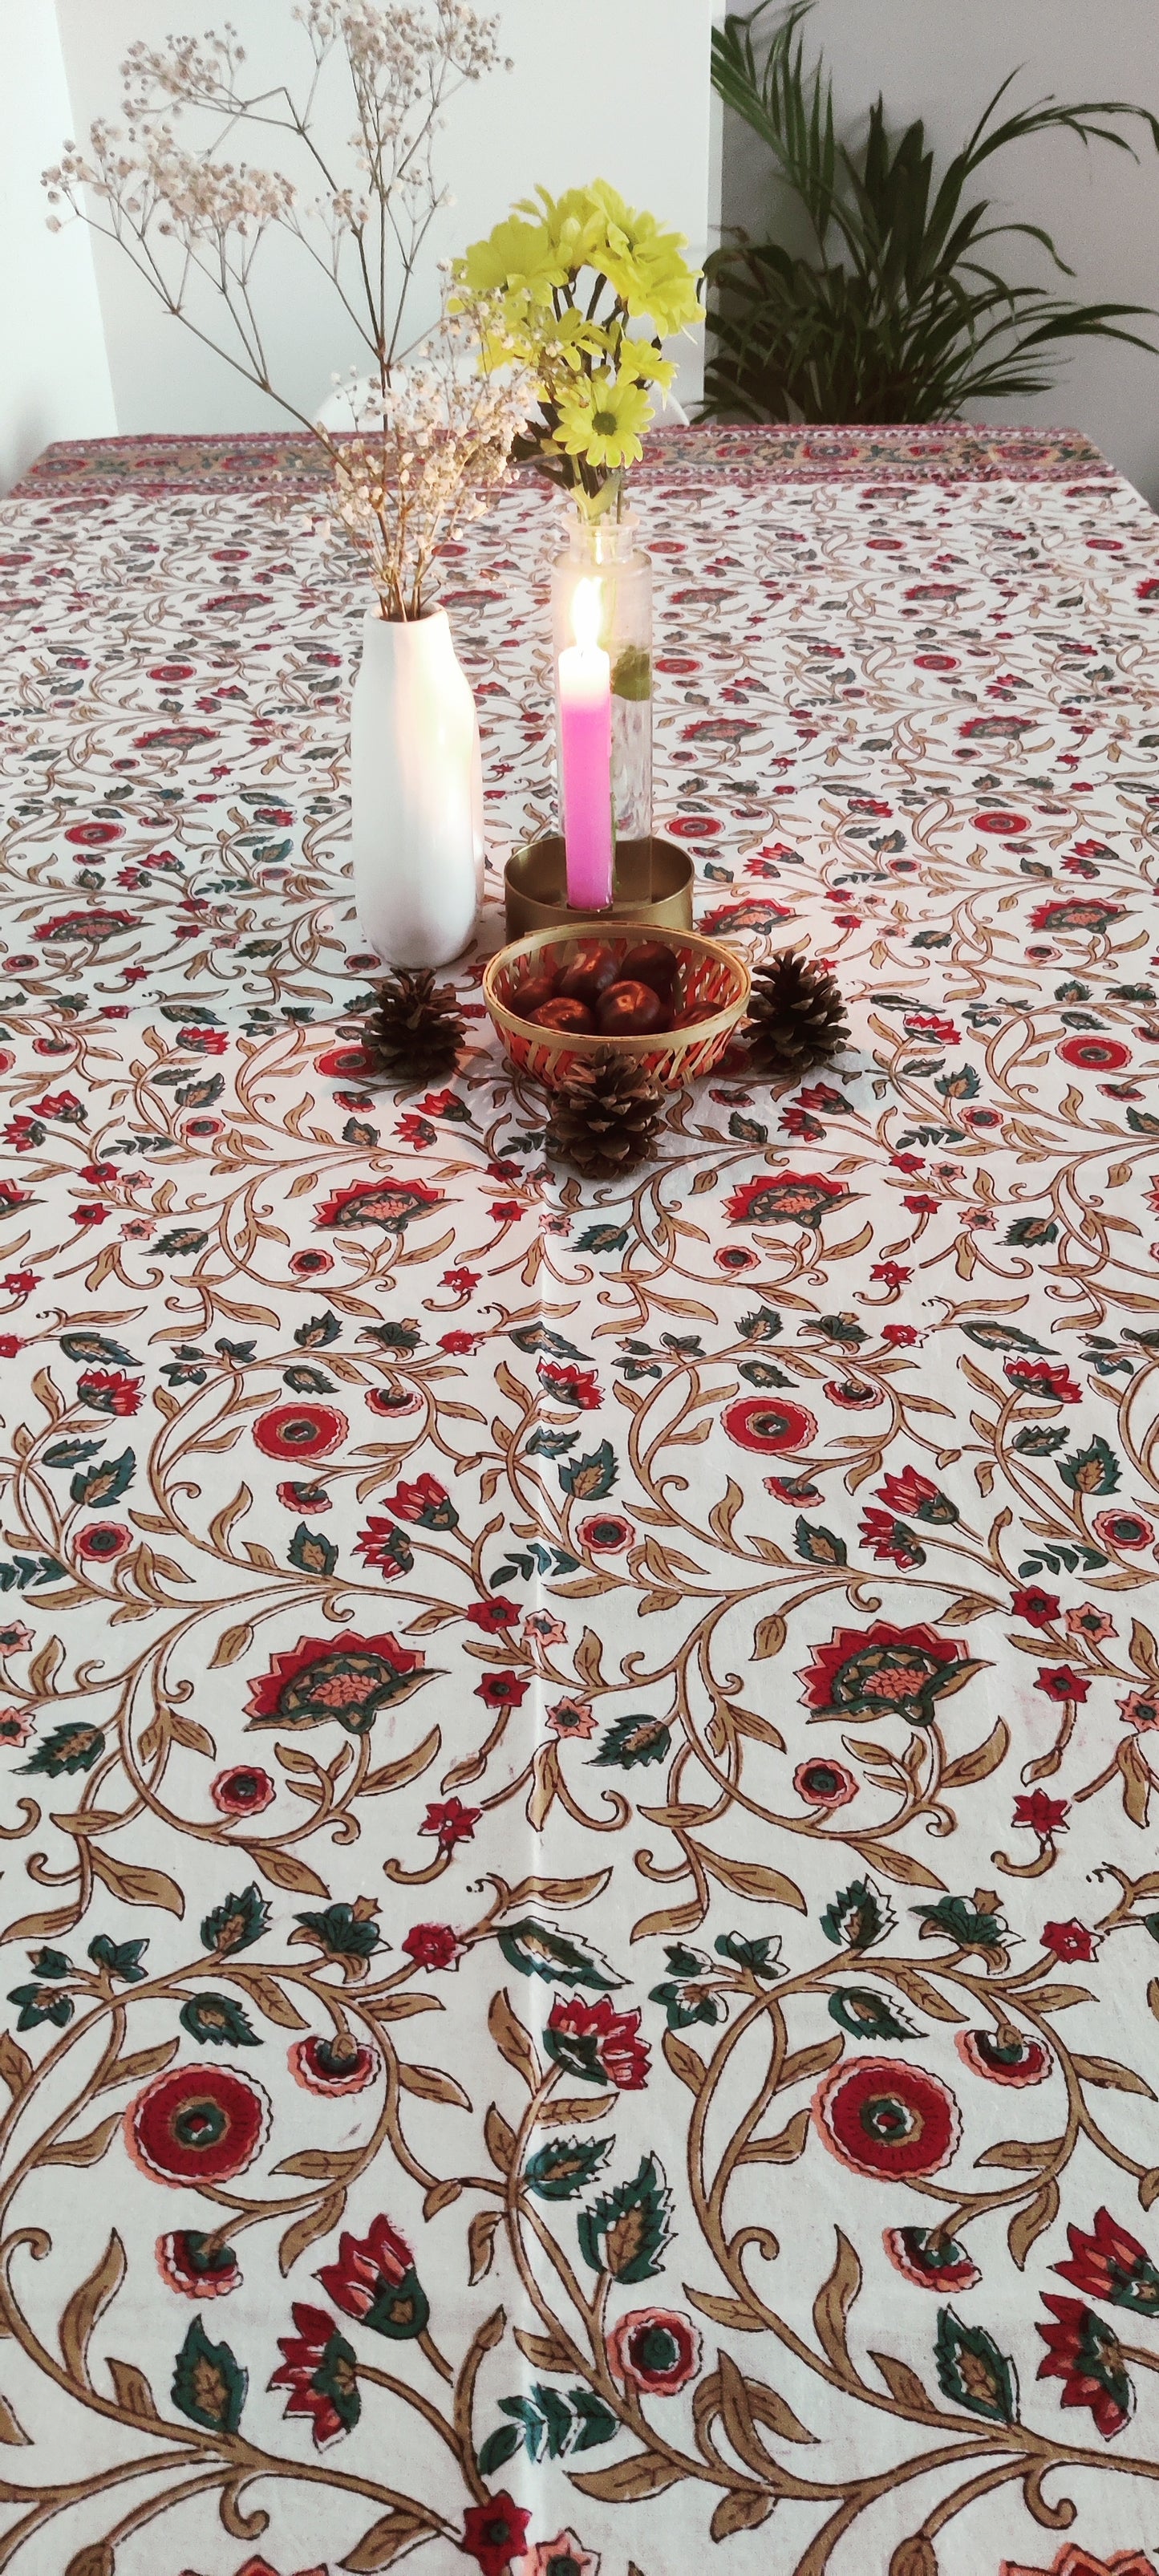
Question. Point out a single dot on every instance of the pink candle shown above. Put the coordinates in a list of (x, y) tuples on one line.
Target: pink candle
[(585, 739)]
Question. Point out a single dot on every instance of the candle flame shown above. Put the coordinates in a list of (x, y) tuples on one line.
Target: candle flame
[(585, 614)]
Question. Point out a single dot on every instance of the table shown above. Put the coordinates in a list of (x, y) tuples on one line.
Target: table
[(774, 2158)]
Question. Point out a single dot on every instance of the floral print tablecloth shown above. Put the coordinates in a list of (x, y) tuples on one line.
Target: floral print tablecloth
[(579, 1831)]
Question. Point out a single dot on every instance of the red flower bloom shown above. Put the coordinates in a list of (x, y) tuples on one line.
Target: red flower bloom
[(387, 1203), (1045, 1816), (459, 1344), (102, 1541), (1069, 1940), (908, 1492), (1085, 2354), (597, 2044), (824, 1784), (242, 1791), (883, 2117), (460, 1282), (768, 1424), (299, 1430), (888, 1538), (493, 2532), (1095, 1055), (863, 1672), (505, 1211), (341, 2064), (656, 2349), (1002, 822), (572, 1385), (20, 1283), (1123, 1529), (503, 1690), (415, 1131), (374, 2279), (424, 1501), (607, 1532), (183, 2262), (433, 1945), (381, 1544), (297, 1497), (9, 1345), (919, 1203), (109, 1391), (1004, 2059), (1112, 2265), (893, 1274), (929, 2260), (1140, 1709), (901, 1335), (349, 1678), (1044, 1377), (784, 1198), (197, 2124), (1038, 1608), (494, 1614), (321, 2372), (1057, 1681), (452, 1822)]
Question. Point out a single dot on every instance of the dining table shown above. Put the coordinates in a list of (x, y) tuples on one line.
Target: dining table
[(773, 2172)]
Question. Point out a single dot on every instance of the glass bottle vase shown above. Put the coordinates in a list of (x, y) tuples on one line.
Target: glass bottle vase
[(604, 550)]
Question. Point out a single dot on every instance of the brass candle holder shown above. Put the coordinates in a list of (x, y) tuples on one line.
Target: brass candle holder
[(653, 885)]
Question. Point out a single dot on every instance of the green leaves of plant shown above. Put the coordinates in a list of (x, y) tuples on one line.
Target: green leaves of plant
[(541, 1950)]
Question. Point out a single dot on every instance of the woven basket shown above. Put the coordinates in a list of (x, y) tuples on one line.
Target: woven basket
[(709, 972)]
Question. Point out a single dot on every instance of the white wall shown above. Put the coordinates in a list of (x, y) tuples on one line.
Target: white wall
[(611, 88), (54, 376), (942, 62)]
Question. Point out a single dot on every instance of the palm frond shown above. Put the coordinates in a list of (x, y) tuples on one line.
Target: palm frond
[(895, 316)]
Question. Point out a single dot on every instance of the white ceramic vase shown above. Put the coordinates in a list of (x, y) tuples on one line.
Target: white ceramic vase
[(416, 793)]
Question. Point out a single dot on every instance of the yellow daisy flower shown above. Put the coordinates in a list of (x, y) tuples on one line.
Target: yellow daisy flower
[(602, 418)]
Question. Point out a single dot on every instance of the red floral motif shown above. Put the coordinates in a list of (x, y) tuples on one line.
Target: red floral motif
[(1084, 2352), (598, 2043), (563, 2556), (433, 1945), (1125, 1530), (195, 2266), (1069, 1940), (1038, 1608), (392, 1204), (337, 2065), (1059, 1682), (1072, 2561), (493, 1615), (768, 1424), (824, 1784), (197, 2124), (319, 2369), (929, 2260), (424, 1501), (1004, 2056), (293, 1431), (606, 1532), (109, 1391), (503, 1690), (243, 1791), (886, 2117), (655, 2349), (865, 1672), (1044, 1377), (451, 1823), (374, 2280), (493, 2532), (789, 1198), (348, 1678)]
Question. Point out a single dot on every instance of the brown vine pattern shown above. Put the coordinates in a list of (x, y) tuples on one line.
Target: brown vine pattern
[(776, 2163)]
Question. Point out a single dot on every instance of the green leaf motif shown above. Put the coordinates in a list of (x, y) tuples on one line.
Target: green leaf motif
[(603, 1238), (589, 1479), (973, 2372), (542, 1950), (858, 1917), (70, 1453), (106, 1483), (1094, 1470), (72, 1747), (549, 2423), (96, 1348), (1038, 1440), (1030, 1230), (217, 2021), (317, 1331), (633, 1742), (561, 2170), (819, 1546), (866, 2015), (236, 1923), (312, 1552), (209, 2385), (626, 2230)]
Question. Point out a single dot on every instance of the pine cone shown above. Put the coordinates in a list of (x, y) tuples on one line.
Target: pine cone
[(416, 1031), (605, 1115), (796, 1017)]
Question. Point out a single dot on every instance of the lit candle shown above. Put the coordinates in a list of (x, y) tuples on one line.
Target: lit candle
[(585, 744)]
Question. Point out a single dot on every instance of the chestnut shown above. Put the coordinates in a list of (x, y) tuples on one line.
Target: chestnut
[(629, 1010), (567, 1016), (589, 974), (649, 962), (530, 996)]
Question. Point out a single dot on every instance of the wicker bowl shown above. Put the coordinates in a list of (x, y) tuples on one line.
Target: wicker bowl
[(708, 972)]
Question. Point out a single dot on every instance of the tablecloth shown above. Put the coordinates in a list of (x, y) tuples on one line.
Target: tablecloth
[(688, 1644)]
